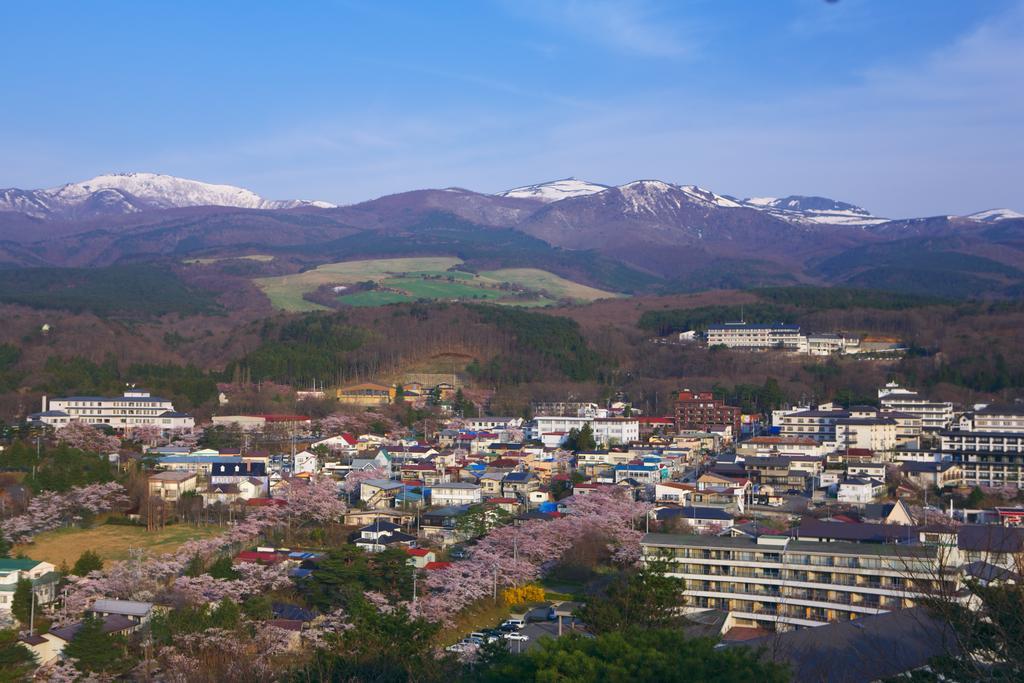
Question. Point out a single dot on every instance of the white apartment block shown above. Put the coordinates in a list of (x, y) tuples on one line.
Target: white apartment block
[(828, 344), (752, 337), (934, 415), (986, 458), (135, 408), (777, 583), (608, 431)]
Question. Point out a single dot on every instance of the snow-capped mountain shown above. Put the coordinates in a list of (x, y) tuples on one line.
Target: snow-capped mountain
[(994, 215), (125, 193), (555, 190), (814, 210)]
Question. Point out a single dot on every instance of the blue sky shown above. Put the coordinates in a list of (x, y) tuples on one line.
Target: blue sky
[(907, 108)]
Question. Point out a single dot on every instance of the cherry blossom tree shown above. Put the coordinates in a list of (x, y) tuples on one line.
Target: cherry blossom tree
[(511, 555), (86, 437), (51, 510)]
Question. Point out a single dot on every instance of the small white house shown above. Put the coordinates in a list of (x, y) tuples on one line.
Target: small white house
[(455, 493), (860, 491)]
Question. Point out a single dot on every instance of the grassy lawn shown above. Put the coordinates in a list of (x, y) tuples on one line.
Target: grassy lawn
[(262, 258), (112, 542), (374, 298), (533, 278), (415, 277), (441, 289)]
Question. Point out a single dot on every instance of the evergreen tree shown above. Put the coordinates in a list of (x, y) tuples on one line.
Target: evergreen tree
[(223, 568), (88, 561), (95, 651), (21, 605), (5, 546), (16, 660), (646, 598)]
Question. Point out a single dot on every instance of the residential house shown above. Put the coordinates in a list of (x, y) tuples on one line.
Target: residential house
[(519, 484), (455, 493), (860, 491), (442, 524), (138, 612), (43, 576), (380, 535), (379, 493), (171, 486)]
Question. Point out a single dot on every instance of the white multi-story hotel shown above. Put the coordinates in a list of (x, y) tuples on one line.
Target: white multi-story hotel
[(994, 418), (935, 415), (135, 408)]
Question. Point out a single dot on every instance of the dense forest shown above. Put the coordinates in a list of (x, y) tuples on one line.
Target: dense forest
[(128, 290)]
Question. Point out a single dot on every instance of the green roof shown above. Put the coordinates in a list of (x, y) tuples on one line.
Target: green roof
[(11, 564)]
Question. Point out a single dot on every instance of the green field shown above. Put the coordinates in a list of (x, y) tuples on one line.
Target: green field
[(262, 258), (374, 298), (410, 279)]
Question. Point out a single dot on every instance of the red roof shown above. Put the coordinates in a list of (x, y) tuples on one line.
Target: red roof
[(256, 556), (437, 565), (417, 552), (502, 500), (845, 518), (655, 420), (265, 502)]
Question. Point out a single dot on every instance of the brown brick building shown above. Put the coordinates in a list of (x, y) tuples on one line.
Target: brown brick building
[(701, 411)]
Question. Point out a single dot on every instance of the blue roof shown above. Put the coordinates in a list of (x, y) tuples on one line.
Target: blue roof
[(642, 468), (206, 459), (299, 573)]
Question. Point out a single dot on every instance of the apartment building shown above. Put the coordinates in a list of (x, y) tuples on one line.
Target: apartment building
[(551, 430), (777, 583), (986, 458), (934, 415), (700, 411), (1000, 419), (134, 408), (827, 344), (755, 337), (818, 424)]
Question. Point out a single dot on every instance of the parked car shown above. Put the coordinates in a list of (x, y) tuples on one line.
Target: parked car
[(514, 623), (515, 635), (458, 553)]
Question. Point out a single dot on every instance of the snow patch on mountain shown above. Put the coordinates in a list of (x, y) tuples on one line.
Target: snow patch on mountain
[(125, 193), (821, 210), (555, 190), (993, 215)]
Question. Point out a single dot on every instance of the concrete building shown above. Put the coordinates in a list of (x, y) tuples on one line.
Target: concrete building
[(367, 394), (934, 415), (756, 337), (701, 411), (135, 408), (776, 583), (552, 430)]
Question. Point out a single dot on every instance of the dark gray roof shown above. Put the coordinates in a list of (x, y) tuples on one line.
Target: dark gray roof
[(857, 533), (990, 538), (866, 649)]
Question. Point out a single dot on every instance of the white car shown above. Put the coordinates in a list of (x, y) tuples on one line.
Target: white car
[(516, 636), (517, 624)]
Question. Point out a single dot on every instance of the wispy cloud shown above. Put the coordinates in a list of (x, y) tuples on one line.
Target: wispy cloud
[(635, 27)]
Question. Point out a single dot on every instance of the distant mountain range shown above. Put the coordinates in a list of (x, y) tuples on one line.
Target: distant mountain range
[(127, 193), (647, 235)]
